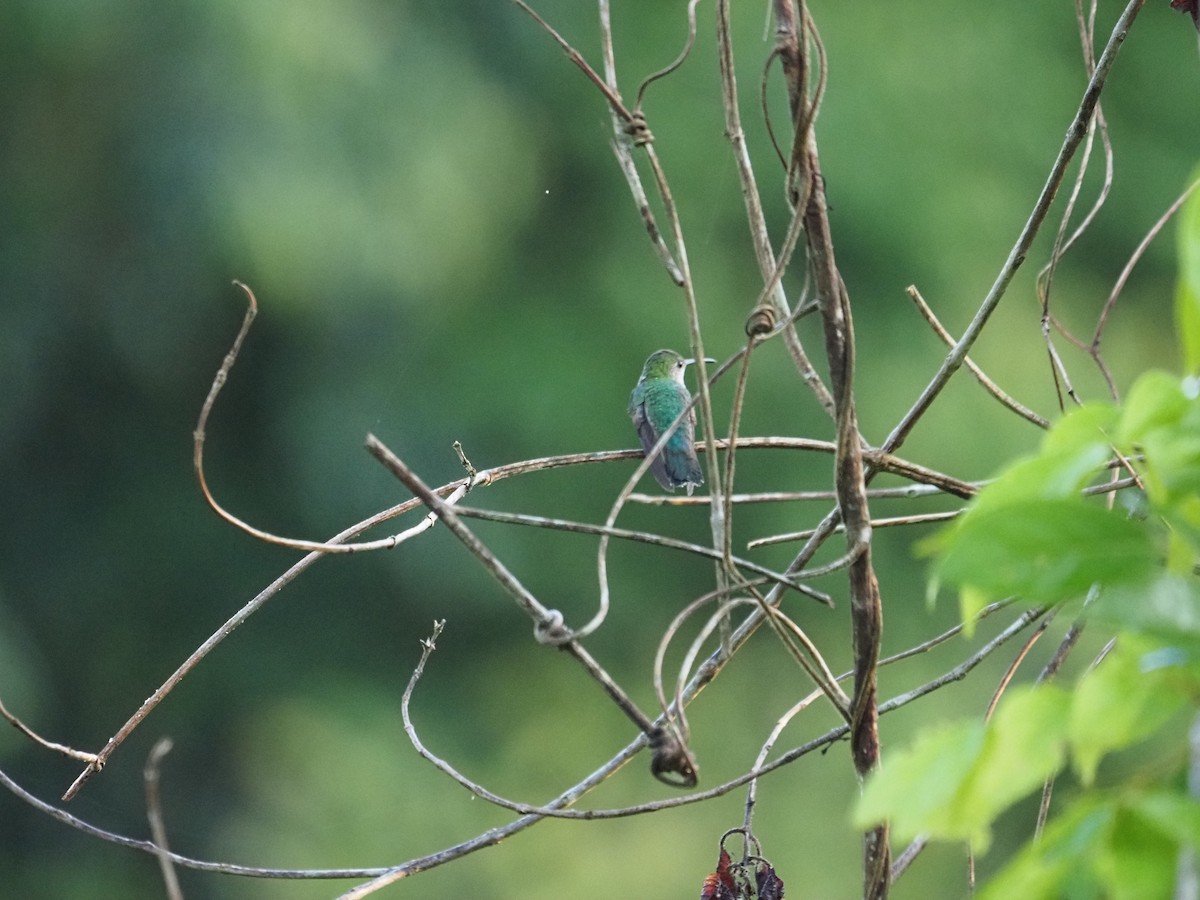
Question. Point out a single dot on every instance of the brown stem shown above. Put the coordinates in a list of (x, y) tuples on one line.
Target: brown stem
[(866, 608)]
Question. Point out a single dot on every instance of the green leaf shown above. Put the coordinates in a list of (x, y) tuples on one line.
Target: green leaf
[(1187, 320), (1160, 430), (1139, 859), (1172, 464), (1069, 457), (1161, 420), (957, 778), (1128, 697), (1173, 813), (1156, 400), (915, 787), (1167, 606), (1070, 454), (1045, 869), (1124, 847), (1081, 431), (1026, 743), (1030, 533), (1045, 551)]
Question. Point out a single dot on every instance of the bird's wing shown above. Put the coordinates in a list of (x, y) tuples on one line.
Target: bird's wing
[(649, 436)]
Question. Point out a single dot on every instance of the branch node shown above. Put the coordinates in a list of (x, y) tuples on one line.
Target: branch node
[(762, 320), (637, 130), (471, 471), (672, 762), (552, 629)]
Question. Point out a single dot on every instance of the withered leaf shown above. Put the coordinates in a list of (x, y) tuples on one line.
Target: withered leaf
[(1188, 6)]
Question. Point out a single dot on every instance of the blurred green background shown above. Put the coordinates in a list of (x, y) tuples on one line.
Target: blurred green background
[(423, 197)]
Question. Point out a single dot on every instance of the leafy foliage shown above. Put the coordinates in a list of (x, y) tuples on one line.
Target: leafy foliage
[(1035, 533), (958, 777), (1119, 846)]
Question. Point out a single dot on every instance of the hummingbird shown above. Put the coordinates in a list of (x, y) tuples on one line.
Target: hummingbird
[(657, 400)]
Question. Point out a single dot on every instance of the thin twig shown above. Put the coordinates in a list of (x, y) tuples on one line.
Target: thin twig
[(892, 522), (921, 841), (719, 619), (770, 269), (218, 383), (158, 827), (621, 147), (648, 538), (672, 763), (990, 386), (1062, 243), (909, 854), (907, 492), (70, 752), (634, 180), (797, 643), (1049, 671), (1011, 671), (1075, 134), (735, 418), (764, 751), (610, 93), (678, 61), (1045, 278), (97, 762), (71, 821), (492, 837), (1123, 278)]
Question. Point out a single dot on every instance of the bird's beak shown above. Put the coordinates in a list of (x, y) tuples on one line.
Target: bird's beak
[(690, 362)]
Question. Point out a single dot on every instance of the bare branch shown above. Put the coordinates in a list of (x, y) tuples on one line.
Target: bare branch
[(648, 538), (198, 461), (610, 93), (771, 270), (621, 146), (65, 818), (1123, 278), (671, 757), (1075, 134), (678, 61), (150, 703), (895, 521), (388, 875), (990, 386), (795, 36), (71, 752)]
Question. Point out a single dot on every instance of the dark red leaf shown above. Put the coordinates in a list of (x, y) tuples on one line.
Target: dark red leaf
[(733, 881), (770, 885), (719, 885), (1188, 6)]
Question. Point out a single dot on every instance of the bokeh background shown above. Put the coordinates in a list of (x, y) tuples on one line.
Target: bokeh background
[(423, 197)]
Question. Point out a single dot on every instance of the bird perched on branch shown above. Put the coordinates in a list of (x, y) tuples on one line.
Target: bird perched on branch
[(657, 400)]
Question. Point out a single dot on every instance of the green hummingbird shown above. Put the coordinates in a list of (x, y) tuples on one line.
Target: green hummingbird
[(657, 400)]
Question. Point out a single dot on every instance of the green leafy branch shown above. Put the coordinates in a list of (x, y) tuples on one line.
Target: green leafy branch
[(1041, 532)]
